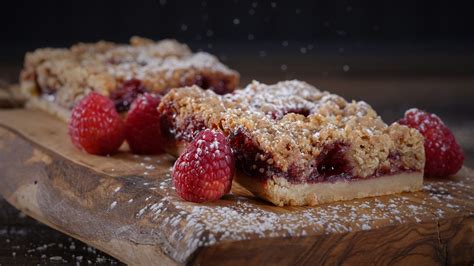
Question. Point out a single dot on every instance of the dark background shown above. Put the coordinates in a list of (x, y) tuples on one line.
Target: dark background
[(235, 25), (379, 51), (289, 38), (426, 23), (392, 54)]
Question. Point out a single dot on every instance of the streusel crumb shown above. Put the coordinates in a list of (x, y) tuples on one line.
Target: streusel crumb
[(62, 76), (291, 123)]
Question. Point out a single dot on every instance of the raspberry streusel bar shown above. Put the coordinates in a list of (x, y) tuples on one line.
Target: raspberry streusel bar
[(54, 79), (297, 145)]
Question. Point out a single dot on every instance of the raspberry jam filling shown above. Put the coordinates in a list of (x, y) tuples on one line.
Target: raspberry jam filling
[(219, 84), (126, 93), (330, 166), (190, 128)]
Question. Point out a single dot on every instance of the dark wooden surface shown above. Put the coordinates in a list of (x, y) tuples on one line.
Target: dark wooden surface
[(448, 92), (126, 206), (23, 240)]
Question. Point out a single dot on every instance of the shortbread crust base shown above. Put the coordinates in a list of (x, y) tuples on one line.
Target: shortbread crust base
[(28, 89), (49, 107), (280, 192)]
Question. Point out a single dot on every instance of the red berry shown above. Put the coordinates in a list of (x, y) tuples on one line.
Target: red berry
[(95, 125), (142, 125), (444, 156), (126, 94), (205, 170)]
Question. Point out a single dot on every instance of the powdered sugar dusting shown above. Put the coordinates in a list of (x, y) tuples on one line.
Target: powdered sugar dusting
[(292, 123), (241, 217)]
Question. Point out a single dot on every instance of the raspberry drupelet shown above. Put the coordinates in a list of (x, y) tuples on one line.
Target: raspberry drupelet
[(297, 145), (205, 170), (444, 156), (142, 125), (95, 126)]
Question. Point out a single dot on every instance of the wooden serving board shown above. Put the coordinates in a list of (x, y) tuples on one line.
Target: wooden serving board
[(125, 205)]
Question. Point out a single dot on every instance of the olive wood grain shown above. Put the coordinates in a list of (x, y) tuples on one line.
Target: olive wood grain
[(125, 205)]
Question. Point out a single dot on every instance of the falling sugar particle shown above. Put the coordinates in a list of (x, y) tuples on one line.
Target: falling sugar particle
[(283, 67), (284, 43), (345, 68), (150, 167), (236, 21), (303, 50), (250, 37), (262, 53)]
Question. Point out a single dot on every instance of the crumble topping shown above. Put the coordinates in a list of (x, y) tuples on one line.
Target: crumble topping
[(64, 75), (292, 123)]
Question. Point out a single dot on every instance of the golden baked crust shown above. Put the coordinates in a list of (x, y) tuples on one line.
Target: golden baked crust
[(62, 76), (281, 192), (294, 139)]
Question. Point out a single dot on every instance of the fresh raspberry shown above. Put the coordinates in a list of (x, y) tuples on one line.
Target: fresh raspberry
[(142, 125), (126, 94), (205, 170), (95, 125), (444, 156)]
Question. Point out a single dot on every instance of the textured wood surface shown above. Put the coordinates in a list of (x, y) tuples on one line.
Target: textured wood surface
[(125, 205)]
